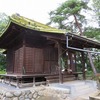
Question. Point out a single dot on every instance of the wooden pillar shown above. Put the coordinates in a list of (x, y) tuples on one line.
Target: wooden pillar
[(83, 65), (59, 62), (23, 67), (75, 63), (69, 60)]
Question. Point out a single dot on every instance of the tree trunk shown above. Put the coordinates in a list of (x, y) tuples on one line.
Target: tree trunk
[(92, 64), (78, 25)]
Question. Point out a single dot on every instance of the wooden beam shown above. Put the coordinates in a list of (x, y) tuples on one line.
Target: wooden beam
[(55, 37), (69, 60), (75, 63)]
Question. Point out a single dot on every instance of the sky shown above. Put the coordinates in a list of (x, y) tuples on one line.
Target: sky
[(33, 9), (37, 10)]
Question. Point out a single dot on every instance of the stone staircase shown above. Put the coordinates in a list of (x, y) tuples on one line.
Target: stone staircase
[(83, 90), (79, 90)]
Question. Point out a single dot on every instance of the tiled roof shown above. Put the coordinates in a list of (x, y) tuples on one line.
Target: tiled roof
[(34, 25)]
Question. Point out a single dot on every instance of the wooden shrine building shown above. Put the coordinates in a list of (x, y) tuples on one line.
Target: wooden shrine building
[(35, 50)]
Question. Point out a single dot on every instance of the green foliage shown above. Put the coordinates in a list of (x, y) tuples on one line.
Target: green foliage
[(2, 72), (97, 63), (96, 5), (96, 9), (89, 73), (4, 19), (67, 9), (2, 62), (92, 33), (71, 7)]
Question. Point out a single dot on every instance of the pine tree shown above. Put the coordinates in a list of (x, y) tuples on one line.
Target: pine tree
[(67, 9)]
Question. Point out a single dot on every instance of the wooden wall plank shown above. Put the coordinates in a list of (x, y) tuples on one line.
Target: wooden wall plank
[(10, 61), (29, 60), (18, 60), (38, 60), (50, 60)]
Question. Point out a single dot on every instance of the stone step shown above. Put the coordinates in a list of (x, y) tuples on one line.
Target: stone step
[(76, 83), (95, 98), (87, 95), (82, 87), (78, 89), (80, 93), (87, 91), (57, 80)]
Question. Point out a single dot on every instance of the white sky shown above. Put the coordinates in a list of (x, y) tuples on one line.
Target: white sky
[(33, 9)]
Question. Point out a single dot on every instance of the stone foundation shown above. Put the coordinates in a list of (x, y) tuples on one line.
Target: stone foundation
[(36, 93)]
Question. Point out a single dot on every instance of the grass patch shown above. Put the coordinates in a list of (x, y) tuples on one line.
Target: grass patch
[(2, 72)]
